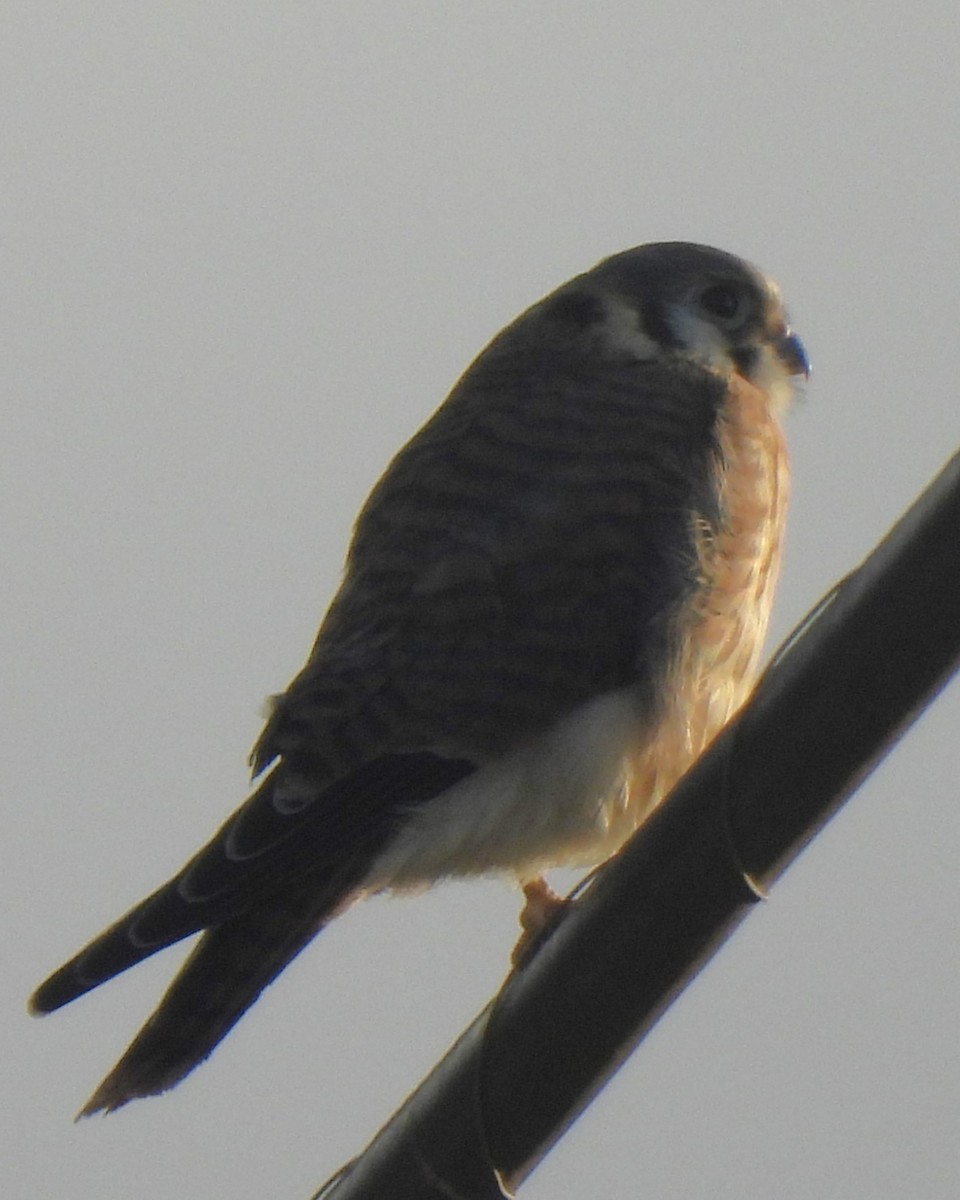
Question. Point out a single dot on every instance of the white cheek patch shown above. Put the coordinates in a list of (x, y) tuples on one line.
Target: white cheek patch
[(773, 378), (706, 345), (702, 341), (621, 332)]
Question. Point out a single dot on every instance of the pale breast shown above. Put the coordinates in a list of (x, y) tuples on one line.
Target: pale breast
[(574, 793), (723, 630)]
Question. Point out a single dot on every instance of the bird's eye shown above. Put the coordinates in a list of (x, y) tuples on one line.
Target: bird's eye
[(722, 301)]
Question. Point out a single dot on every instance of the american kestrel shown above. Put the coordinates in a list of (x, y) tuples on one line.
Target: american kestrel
[(555, 596)]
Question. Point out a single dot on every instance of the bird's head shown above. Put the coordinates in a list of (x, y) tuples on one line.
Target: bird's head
[(682, 300)]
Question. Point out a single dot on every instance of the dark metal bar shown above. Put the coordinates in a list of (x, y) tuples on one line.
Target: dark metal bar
[(845, 687)]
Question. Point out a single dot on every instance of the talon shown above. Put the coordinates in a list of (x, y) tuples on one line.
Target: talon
[(541, 912)]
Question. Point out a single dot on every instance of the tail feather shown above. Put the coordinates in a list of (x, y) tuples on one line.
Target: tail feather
[(227, 971), (174, 911), (336, 835), (266, 883)]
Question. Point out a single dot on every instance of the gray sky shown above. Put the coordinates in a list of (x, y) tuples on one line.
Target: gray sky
[(247, 248)]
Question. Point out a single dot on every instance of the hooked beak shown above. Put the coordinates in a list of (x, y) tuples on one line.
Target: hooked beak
[(789, 349)]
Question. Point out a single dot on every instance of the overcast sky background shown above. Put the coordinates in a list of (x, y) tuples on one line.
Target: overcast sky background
[(246, 250)]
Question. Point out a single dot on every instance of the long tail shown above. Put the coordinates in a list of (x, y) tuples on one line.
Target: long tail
[(227, 971), (268, 881), (213, 887)]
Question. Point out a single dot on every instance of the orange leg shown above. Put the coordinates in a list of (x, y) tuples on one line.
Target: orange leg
[(541, 911)]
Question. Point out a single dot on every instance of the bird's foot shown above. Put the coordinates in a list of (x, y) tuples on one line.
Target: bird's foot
[(541, 912)]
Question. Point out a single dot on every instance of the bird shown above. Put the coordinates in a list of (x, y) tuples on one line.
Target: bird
[(554, 598)]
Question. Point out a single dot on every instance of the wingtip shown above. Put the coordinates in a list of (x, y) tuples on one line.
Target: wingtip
[(56, 991), (43, 1002)]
